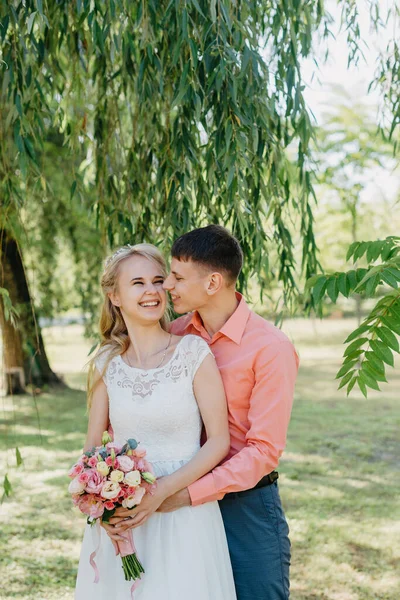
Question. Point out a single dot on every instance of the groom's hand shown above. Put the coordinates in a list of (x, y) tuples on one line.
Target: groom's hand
[(178, 500)]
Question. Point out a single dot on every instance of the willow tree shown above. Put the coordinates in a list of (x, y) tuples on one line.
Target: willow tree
[(181, 113)]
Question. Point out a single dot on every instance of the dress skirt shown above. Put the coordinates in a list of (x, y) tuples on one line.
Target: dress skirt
[(184, 554)]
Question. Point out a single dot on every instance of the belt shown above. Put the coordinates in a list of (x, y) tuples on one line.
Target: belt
[(266, 480)]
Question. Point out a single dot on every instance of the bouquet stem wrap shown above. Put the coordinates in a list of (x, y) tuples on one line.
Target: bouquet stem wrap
[(132, 567), (130, 563)]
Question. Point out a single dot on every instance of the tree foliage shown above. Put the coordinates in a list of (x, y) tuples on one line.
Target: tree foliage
[(178, 115), (371, 346)]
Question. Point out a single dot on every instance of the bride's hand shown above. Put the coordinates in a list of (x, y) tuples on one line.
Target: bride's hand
[(114, 535), (127, 518)]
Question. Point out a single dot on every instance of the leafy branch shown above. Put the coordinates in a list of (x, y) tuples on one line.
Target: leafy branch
[(370, 346)]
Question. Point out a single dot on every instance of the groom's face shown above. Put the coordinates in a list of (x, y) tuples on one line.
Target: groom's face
[(187, 284)]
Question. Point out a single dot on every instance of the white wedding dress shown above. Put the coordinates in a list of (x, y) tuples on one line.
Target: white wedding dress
[(184, 553)]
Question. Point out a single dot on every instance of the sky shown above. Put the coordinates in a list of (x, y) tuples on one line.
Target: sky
[(354, 80)]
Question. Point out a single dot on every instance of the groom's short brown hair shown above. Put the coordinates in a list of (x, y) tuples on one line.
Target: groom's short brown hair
[(212, 246)]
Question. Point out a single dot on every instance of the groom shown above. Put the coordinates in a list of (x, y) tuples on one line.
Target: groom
[(258, 365)]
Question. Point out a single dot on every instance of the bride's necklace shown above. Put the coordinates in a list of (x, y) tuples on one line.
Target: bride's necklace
[(163, 356)]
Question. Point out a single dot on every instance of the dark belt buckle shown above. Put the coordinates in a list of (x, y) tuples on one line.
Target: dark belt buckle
[(267, 480)]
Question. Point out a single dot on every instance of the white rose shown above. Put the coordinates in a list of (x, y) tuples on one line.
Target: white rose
[(117, 476), (134, 499), (129, 502), (133, 478), (110, 490), (76, 487), (103, 468)]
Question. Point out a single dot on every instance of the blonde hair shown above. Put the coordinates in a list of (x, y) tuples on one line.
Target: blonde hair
[(113, 331)]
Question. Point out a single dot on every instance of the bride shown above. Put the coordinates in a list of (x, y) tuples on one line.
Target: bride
[(159, 389)]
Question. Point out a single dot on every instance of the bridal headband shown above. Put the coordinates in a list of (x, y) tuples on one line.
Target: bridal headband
[(121, 250)]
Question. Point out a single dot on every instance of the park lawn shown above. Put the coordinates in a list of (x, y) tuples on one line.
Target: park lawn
[(340, 478)]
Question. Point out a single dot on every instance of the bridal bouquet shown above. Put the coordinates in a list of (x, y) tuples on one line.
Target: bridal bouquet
[(105, 478)]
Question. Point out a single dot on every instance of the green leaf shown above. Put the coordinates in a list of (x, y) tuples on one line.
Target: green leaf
[(371, 285), (394, 272), (376, 362), (345, 369), (213, 10), (389, 279), (193, 53), (346, 379), (29, 23), (388, 338), (332, 288), (357, 332), (7, 488), (351, 385), (361, 385), (360, 250), (197, 5), (73, 188), (382, 352), (354, 354), (311, 282), (352, 279), (392, 323), (319, 289), (343, 285), (368, 380), (368, 367), (351, 250), (18, 457), (93, 348), (355, 345), (374, 250)]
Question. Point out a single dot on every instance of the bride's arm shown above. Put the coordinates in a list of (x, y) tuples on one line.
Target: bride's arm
[(98, 414), (210, 396)]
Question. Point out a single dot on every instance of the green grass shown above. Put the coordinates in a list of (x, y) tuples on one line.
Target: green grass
[(340, 479)]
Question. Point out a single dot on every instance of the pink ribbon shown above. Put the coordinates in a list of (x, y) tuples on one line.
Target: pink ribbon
[(125, 548), (93, 555), (134, 586)]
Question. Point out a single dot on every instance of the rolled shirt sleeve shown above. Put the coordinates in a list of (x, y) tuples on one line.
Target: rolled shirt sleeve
[(275, 371)]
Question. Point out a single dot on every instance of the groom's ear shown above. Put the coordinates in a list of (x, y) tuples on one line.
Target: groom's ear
[(215, 283)]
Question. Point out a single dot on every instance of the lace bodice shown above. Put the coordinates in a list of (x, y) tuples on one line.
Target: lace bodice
[(157, 407)]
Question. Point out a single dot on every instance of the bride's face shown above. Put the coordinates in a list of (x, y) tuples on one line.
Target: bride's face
[(140, 294)]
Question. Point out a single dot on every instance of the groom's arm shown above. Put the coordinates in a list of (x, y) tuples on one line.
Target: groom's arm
[(275, 371)]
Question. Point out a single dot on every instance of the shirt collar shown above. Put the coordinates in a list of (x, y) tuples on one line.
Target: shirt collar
[(235, 325)]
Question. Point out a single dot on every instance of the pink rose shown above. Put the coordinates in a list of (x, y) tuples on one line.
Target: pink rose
[(109, 461), (109, 505), (94, 483), (140, 464), (75, 470), (90, 506), (92, 462), (125, 463), (84, 503), (112, 445), (83, 477), (96, 509), (139, 452)]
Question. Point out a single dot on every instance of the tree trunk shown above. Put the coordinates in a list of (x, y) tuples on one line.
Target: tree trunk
[(24, 355)]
